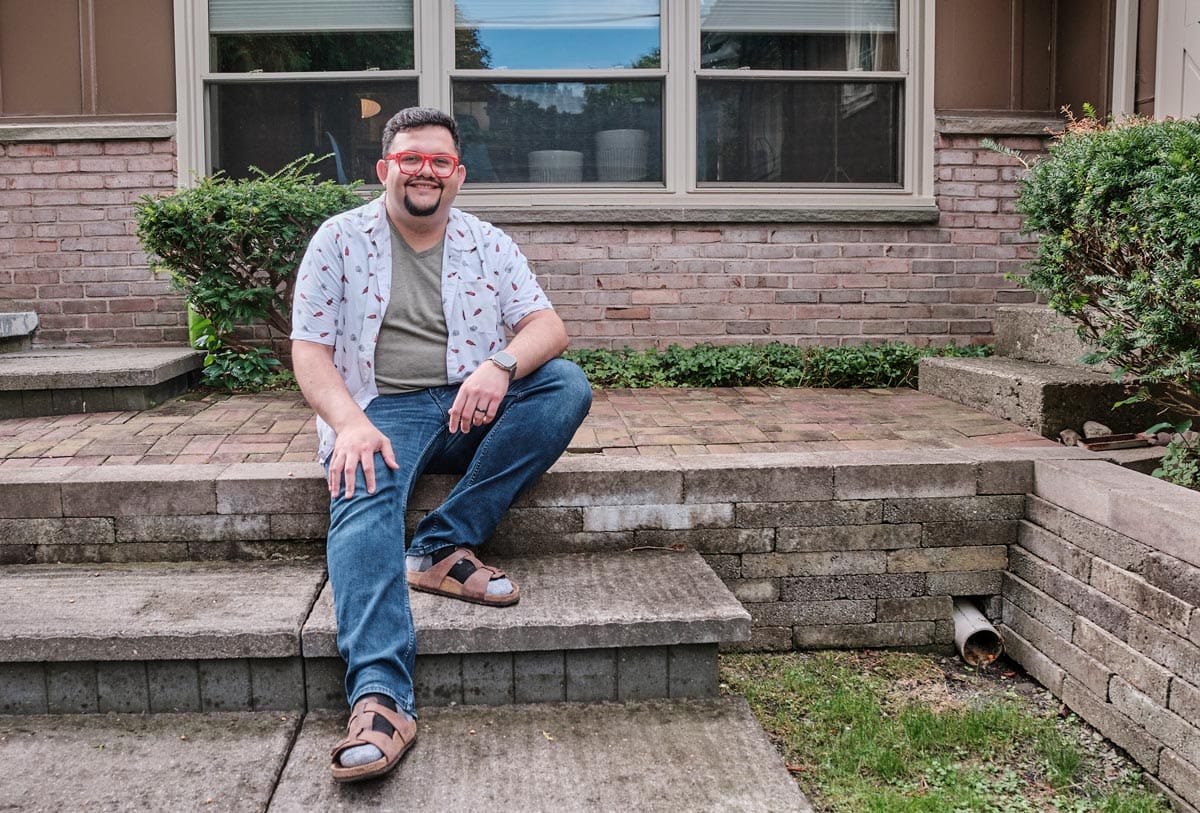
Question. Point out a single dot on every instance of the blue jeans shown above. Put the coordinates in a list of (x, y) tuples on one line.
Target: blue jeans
[(365, 548)]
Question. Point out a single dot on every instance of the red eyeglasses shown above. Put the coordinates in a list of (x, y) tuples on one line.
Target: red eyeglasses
[(410, 163)]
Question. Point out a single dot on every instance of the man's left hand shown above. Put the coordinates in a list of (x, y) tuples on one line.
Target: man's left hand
[(478, 398)]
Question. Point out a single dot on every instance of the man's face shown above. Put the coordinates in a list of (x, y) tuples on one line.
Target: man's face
[(421, 195)]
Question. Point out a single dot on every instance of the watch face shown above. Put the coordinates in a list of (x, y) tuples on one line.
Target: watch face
[(505, 360)]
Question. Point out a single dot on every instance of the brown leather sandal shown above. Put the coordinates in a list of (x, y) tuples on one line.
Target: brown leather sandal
[(437, 580), (360, 732)]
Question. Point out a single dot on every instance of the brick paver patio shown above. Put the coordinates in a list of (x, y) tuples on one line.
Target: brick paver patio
[(278, 427)]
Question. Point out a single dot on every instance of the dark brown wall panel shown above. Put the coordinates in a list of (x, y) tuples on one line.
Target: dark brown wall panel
[(135, 57), (40, 58), (973, 61), (1083, 70), (1147, 57)]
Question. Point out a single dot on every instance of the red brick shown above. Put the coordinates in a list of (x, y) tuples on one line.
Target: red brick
[(30, 150), (627, 313), (78, 148), (131, 304), (59, 260), (126, 148), (79, 182)]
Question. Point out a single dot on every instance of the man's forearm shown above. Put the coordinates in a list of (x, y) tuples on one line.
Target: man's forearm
[(538, 337), (322, 386)]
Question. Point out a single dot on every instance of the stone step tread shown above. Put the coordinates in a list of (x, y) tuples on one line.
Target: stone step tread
[(572, 601), (210, 610), (648, 756), (1031, 371), (92, 368), (213, 762), (156, 611), (694, 755)]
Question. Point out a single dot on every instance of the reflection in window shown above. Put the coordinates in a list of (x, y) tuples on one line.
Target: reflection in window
[(811, 133), (562, 34), (802, 35), (269, 124), (560, 132)]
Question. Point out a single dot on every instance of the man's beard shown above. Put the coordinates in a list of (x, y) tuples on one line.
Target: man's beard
[(418, 211)]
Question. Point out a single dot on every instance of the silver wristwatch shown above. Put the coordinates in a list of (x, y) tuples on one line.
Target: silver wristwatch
[(507, 362)]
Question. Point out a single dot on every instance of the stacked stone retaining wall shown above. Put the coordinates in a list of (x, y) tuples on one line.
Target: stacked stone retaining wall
[(1094, 570), (1100, 604)]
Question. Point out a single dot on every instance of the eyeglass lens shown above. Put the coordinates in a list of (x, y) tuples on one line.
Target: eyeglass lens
[(411, 163)]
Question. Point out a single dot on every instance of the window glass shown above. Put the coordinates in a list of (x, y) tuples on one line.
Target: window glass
[(280, 53), (529, 34), (802, 35), (812, 133), (560, 132), (268, 124), (311, 35)]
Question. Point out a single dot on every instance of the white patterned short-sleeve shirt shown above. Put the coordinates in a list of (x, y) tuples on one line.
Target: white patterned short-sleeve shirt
[(344, 282)]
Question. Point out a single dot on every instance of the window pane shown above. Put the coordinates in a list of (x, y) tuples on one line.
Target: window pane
[(525, 34), (276, 36), (803, 35), (268, 124), (818, 133), (279, 53), (560, 132)]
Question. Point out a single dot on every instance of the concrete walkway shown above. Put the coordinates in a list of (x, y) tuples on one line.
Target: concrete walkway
[(279, 427)]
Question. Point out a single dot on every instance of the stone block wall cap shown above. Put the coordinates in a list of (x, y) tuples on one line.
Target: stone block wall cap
[(999, 122), (21, 323)]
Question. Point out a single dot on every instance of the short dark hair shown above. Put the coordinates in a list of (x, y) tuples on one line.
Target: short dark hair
[(411, 118)]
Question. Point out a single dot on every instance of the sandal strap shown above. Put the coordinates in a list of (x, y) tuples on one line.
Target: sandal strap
[(359, 730), (434, 576)]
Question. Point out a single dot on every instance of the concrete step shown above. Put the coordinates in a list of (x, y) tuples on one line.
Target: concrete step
[(649, 756), (68, 381), (609, 626), (669, 756), (145, 762), (1044, 398), (1036, 333), (16, 330), (228, 636)]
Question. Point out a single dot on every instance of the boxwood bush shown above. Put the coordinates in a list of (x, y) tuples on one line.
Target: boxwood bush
[(1116, 209), (1117, 213), (232, 247)]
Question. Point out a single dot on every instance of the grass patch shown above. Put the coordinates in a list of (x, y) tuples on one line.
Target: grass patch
[(893, 364), (905, 733)]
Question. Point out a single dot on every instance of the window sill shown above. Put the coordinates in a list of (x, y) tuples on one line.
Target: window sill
[(87, 131), (706, 214), (998, 122)]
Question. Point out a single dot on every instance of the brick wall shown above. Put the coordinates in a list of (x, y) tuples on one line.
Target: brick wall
[(1102, 606), (68, 249), (70, 255), (641, 285)]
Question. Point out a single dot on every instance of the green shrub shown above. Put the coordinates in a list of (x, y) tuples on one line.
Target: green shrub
[(1117, 213), (232, 247), (769, 365)]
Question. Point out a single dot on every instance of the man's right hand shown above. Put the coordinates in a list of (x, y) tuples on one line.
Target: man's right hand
[(356, 446)]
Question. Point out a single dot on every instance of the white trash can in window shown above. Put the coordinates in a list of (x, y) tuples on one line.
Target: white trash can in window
[(621, 155), (555, 166)]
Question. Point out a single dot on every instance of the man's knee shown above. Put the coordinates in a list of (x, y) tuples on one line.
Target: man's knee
[(571, 391)]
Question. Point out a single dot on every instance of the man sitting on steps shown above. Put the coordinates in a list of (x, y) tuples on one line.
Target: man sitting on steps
[(399, 344)]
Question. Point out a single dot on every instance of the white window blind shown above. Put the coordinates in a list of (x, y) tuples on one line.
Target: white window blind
[(556, 14), (266, 16), (798, 16)]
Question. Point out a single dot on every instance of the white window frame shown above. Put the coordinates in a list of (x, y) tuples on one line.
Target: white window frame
[(680, 70)]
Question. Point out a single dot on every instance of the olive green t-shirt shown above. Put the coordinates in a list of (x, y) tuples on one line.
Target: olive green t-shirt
[(411, 353)]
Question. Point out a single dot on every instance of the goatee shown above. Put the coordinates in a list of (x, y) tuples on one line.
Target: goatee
[(421, 211)]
